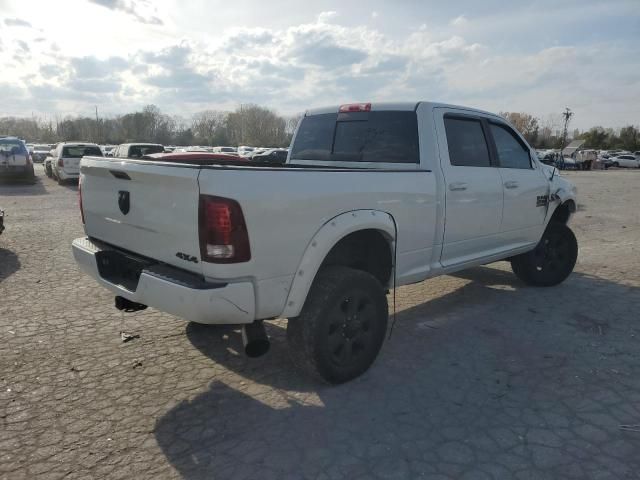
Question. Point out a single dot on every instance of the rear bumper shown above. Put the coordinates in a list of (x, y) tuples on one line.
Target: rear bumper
[(171, 290), (15, 171), (67, 175)]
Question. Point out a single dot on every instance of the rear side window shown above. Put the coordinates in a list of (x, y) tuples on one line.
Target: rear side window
[(379, 137), (81, 151), (511, 152), (467, 143)]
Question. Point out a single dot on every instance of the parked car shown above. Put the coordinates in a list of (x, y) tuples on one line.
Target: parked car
[(40, 152), (271, 155), (15, 161), (625, 161), (65, 161), (321, 239), (137, 150), (232, 150), (47, 162), (243, 151)]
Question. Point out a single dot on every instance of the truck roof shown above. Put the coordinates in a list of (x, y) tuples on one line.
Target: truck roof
[(396, 106)]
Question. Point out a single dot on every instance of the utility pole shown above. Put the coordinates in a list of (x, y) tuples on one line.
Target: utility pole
[(241, 126), (567, 114), (97, 140)]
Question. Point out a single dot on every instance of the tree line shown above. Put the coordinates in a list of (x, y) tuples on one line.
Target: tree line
[(258, 126), (547, 133), (247, 125)]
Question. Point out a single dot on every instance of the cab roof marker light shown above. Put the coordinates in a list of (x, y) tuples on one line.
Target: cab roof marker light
[(355, 107)]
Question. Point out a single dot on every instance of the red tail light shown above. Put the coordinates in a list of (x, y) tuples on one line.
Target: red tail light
[(80, 199), (61, 162), (223, 232), (355, 107)]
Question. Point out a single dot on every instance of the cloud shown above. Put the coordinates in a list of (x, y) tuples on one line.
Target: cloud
[(48, 71), (141, 10), (459, 21), (24, 47), (325, 17), (332, 59), (16, 22), (91, 67), (94, 85)]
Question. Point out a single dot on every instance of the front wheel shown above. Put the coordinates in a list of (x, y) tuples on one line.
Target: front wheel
[(341, 327), (553, 259)]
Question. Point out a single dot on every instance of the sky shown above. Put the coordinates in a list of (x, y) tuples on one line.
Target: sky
[(536, 56)]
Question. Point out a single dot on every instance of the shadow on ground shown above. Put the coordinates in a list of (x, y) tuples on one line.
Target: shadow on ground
[(15, 187), (494, 379), (9, 263)]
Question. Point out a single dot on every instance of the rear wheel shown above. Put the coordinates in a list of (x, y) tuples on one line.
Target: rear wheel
[(553, 259), (341, 328)]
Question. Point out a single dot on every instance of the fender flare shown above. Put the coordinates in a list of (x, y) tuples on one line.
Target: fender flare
[(559, 198), (324, 240)]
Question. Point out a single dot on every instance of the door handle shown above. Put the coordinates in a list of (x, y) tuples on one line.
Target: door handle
[(456, 186), (511, 184)]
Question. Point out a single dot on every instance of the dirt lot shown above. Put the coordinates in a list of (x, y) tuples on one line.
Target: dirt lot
[(482, 378)]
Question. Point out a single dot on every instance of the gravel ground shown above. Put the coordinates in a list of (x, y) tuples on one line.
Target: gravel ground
[(483, 377)]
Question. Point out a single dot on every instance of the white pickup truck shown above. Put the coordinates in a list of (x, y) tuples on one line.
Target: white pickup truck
[(372, 196)]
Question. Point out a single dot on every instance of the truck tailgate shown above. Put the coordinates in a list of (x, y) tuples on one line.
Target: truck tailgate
[(148, 209)]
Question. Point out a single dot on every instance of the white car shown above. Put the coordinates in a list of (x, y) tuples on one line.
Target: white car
[(229, 150), (136, 150), (65, 161), (320, 239), (244, 151), (625, 161)]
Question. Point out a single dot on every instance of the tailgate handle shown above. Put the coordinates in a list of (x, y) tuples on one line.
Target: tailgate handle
[(120, 175)]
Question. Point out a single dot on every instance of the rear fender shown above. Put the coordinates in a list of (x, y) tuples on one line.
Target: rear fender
[(321, 244)]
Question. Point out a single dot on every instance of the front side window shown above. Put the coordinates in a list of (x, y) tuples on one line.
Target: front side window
[(466, 141), (511, 152)]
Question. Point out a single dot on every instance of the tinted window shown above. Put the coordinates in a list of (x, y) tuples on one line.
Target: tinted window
[(467, 145), (380, 137), (81, 151), (315, 137), (511, 153), (12, 147), (137, 151)]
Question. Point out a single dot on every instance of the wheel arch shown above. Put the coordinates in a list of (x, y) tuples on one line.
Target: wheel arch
[(342, 232), (563, 212)]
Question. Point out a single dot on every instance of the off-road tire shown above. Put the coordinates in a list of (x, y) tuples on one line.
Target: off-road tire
[(341, 327), (553, 259)]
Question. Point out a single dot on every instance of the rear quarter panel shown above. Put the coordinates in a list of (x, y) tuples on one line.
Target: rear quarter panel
[(285, 208)]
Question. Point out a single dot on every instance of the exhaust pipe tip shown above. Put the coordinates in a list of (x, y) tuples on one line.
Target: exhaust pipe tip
[(254, 339)]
